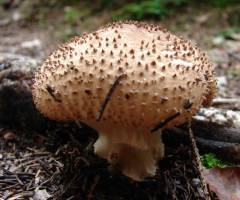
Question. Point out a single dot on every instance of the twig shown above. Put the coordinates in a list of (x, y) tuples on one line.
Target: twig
[(70, 198), (8, 181), (10, 187), (164, 122), (196, 156), (30, 163), (108, 96), (187, 104), (19, 180), (35, 152), (51, 92), (44, 165), (90, 194), (20, 195)]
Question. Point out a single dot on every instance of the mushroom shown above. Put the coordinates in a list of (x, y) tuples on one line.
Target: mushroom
[(128, 80)]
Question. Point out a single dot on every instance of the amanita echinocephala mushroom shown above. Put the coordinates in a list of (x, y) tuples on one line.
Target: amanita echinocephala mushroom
[(127, 80)]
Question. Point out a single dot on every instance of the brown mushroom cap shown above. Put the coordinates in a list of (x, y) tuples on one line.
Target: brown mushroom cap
[(161, 75)]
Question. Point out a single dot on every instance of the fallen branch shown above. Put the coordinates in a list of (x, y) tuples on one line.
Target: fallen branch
[(225, 150), (227, 103), (215, 132)]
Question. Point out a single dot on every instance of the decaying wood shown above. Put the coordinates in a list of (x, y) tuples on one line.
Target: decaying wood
[(225, 150), (213, 131)]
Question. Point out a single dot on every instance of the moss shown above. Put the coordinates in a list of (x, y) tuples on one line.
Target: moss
[(210, 160)]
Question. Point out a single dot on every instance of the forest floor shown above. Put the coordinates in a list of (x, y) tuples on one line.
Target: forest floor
[(56, 161)]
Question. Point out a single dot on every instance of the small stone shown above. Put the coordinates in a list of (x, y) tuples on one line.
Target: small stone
[(35, 43), (218, 40)]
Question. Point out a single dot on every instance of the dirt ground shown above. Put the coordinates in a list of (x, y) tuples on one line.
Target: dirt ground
[(55, 161)]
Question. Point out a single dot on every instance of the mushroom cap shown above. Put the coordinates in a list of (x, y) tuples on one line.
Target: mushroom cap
[(161, 75)]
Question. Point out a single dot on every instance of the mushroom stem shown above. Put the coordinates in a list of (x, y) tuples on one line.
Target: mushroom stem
[(133, 151)]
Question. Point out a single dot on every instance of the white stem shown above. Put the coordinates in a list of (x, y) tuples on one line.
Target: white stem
[(134, 152)]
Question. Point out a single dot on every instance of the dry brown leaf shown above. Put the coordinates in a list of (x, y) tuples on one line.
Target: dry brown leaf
[(225, 182)]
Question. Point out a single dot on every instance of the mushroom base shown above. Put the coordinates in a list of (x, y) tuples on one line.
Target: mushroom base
[(134, 152)]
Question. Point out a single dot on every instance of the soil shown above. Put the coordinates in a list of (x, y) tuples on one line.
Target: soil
[(49, 160)]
